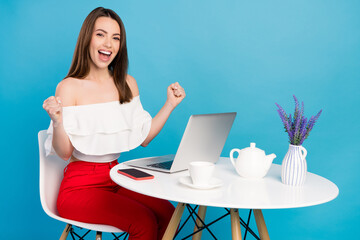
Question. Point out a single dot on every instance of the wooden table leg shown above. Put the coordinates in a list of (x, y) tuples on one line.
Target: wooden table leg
[(201, 214), (260, 222), (235, 224), (174, 222), (65, 232)]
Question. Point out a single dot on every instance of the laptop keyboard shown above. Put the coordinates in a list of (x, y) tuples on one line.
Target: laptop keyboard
[(162, 165)]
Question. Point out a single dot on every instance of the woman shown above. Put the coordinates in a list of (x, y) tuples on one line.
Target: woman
[(96, 114)]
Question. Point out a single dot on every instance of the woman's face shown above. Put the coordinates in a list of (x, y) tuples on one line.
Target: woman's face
[(105, 42)]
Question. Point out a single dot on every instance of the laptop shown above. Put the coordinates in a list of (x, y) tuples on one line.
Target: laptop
[(203, 140)]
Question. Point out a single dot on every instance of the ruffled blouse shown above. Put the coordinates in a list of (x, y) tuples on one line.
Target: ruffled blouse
[(100, 132)]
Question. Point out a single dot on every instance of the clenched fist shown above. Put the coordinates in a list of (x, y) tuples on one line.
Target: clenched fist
[(53, 107), (175, 94)]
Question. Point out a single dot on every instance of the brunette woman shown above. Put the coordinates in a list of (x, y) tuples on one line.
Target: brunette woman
[(96, 114)]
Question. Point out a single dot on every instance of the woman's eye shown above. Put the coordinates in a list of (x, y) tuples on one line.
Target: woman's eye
[(100, 34), (117, 38)]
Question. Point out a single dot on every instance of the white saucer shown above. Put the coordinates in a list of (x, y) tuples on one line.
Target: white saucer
[(214, 183)]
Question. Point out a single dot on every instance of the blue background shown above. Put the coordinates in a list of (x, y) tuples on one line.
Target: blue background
[(238, 56)]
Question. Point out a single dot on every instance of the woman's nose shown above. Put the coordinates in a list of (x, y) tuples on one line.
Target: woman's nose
[(107, 42)]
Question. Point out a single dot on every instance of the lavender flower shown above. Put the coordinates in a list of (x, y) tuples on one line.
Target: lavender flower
[(298, 127), (285, 119), (302, 131)]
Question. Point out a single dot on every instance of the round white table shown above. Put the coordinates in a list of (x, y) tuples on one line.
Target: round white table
[(235, 193)]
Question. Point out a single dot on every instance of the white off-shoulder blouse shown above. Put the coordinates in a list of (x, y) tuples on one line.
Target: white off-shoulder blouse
[(100, 132)]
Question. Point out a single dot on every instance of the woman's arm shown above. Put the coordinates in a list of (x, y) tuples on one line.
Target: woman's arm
[(175, 94), (53, 106)]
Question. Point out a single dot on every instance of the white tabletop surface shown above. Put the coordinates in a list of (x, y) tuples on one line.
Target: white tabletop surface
[(236, 192)]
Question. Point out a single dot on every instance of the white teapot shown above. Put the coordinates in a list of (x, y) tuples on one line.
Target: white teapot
[(251, 162)]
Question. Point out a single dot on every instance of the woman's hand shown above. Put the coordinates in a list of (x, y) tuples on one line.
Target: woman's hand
[(53, 107), (175, 94)]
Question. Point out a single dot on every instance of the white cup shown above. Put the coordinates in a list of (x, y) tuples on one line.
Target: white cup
[(201, 173)]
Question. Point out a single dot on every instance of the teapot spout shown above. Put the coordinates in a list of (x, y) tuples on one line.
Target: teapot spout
[(269, 159)]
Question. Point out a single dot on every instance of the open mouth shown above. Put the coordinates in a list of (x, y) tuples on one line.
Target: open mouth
[(104, 55)]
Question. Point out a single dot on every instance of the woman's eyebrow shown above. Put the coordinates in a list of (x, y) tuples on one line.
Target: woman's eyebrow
[(102, 30)]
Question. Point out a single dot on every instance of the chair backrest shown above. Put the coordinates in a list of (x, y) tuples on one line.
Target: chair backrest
[(51, 175)]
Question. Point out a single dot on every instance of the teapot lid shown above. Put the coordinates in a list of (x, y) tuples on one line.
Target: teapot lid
[(253, 148)]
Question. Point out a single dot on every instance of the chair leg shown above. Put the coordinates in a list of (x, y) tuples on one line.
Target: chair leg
[(65, 232), (98, 236)]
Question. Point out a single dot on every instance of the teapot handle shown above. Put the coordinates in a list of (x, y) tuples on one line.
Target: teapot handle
[(231, 155), (304, 152)]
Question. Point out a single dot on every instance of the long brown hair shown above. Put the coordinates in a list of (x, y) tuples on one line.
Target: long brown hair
[(80, 66)]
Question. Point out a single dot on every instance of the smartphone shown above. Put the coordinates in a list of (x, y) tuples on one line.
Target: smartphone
[(135, 174)]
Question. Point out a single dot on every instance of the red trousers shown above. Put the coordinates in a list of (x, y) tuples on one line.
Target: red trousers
[(87, 194)]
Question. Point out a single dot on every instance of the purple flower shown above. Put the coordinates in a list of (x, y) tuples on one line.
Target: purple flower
[(302, 131), (291, 127), (283, 117), (318, 115), (298, 127)]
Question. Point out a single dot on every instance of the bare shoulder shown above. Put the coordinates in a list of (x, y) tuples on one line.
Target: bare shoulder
[(66, 90), (133, 85)]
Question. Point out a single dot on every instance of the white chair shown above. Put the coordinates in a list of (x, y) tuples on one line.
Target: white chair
[(51, 175)]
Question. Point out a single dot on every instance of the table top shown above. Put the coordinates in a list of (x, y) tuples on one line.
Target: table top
[(236, 192)]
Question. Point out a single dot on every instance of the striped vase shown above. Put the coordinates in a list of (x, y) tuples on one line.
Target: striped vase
[(294, 167)]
